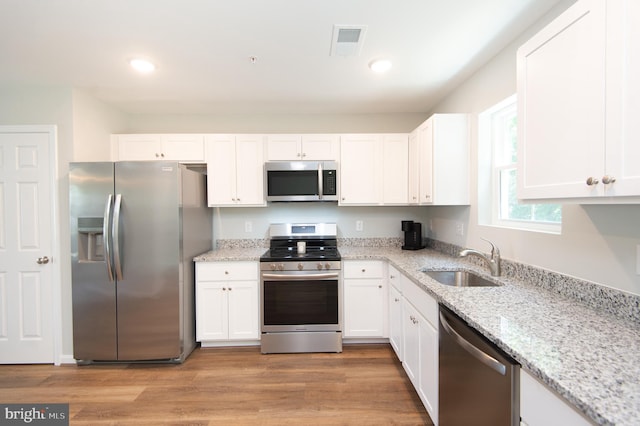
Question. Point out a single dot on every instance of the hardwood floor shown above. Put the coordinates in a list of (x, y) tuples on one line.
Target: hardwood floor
[(364, 385)]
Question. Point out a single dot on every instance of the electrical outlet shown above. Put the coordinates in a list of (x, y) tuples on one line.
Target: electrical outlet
[(460, 229), (359, 225), (248, 226)]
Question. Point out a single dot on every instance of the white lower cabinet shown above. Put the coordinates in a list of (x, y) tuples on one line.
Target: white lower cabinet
[(413, 334), (395, 311), (365, 299), (227, 308), (539, 406)]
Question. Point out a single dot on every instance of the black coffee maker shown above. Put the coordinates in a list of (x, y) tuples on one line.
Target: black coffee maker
[(412, 235)]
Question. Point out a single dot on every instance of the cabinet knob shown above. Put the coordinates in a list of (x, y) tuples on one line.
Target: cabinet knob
[(606, 179), (364, 270), (230, 289), (226, 272), (397, 300), (380, 286), (342, 198), (592, 181), (224, 289), (157, 155), (392, 276)]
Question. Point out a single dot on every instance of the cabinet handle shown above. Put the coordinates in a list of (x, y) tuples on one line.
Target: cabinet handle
[(592, 181), (606, 179)]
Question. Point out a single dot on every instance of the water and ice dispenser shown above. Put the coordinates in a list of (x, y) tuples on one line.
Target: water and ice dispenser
[(90, 239)]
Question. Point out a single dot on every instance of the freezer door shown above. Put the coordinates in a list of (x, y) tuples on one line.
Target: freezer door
[(93, 293), (147, 237)]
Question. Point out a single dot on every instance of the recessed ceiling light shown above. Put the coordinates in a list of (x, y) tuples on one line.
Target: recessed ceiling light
[(142, 65), (380, 65)]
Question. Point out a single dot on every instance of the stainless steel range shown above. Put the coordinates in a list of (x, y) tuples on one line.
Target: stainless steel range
[(301, 309)]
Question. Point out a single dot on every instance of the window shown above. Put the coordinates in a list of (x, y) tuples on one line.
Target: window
[(498, 141)]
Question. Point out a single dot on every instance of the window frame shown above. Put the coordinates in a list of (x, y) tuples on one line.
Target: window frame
[(487, 140)]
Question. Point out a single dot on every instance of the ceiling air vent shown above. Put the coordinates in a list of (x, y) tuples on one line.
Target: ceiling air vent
[(347, 40)]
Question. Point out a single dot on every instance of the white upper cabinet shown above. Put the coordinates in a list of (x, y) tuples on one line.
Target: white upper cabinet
[(439, 161), (360, 180), (151, 147), (235, 166), (577, 99), (374, 169), (309, 147)]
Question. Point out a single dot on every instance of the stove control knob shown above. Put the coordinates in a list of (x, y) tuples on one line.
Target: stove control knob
[(319, 266), (300, 266), (327, 266), (272, 266), (281, 267)]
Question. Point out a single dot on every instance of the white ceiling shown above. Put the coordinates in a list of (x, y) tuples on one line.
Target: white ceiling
[(202, 50)]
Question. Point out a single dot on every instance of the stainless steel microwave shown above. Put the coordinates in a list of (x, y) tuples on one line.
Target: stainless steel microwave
[(301, 180)]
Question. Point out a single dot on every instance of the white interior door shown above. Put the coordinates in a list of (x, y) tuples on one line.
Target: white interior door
[(26, 228)]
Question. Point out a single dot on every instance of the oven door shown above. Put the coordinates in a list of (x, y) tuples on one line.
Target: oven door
[(300, 301)]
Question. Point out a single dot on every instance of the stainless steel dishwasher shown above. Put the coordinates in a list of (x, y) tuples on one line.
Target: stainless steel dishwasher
[(479, 384)]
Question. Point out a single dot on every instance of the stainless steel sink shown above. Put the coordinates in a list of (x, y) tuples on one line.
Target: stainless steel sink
[(460, 279)]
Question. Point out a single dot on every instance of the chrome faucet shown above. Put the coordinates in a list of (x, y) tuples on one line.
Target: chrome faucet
[(493, 261)]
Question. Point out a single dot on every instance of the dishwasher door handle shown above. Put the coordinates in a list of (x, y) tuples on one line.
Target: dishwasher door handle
[(481, 356)]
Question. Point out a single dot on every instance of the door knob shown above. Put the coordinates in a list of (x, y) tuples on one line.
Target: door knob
[(42, 260)]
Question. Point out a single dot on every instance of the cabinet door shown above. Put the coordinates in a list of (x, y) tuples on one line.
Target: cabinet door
[(250, 170), (360, 168), (425, 162), (211, 311), (364, 308), (284, 147), (395, 321), (561, 116), (243, 310), (139, 147), (623, 100), (428, 388), (395, 171), (221, 170), (539, 406), (414, 168), (187, 148), (320, 147), (411, 337)]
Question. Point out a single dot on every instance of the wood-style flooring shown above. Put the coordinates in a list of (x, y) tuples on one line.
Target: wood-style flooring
[(364, 385)]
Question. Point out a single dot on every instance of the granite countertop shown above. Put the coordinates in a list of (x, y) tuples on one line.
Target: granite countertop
[(589, 356)]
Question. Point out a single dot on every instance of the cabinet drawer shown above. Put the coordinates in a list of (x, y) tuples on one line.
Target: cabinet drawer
[(226, 271), (423, 302), (363, 269)]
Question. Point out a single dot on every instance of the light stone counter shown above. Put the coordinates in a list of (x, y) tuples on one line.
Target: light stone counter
[(588, 355)]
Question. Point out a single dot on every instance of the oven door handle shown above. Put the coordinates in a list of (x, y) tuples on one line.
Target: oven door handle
[(296, 277)]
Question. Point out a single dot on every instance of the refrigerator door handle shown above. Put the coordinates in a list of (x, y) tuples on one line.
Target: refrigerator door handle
[(115, 235), (105, 235)]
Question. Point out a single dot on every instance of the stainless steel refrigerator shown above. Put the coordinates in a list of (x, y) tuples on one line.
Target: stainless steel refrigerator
[(135, 228)]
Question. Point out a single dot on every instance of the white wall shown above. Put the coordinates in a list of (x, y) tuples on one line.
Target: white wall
[(276, 123), (93, 123), (229, 223), (598, 243)]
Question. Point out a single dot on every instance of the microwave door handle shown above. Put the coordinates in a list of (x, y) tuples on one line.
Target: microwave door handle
[(320, 189)]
